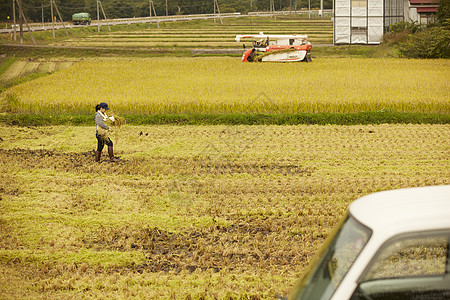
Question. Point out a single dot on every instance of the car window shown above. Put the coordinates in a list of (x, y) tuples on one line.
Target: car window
[(409, 267), (411, 257), (326, 273)]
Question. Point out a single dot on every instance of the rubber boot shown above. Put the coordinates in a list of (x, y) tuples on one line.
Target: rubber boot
[(97, 156), (111, 154)]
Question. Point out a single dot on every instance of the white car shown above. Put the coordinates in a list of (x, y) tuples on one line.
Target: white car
[(390, 245)]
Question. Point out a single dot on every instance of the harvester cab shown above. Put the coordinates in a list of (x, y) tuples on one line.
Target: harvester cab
[(276, 48)]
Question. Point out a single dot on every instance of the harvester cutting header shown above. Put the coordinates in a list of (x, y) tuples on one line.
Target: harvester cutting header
[(276, 48)]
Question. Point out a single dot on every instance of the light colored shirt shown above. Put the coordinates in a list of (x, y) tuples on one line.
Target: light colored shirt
[(100, 119)]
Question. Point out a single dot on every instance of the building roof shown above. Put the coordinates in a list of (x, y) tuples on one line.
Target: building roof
[(416, 2), (426, 9), (405, 210)]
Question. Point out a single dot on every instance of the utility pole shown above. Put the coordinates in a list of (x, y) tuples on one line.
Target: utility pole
[(321, 8), (272, 8), (167, 9), (309, 9), (104, 15), (216, 4), (20, 21), (152, 5), (60, 18), (53, 19), (14, 19), (98, 17), (100, 6)]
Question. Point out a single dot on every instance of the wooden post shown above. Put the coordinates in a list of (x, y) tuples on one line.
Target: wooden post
[(104, 15), (152, 6), (14, 19), (53, 19), (290, 8), (272, 8), (29, 29), (60, 18), (216, 4), (309, 9), (21, 19), (98, 16), (19, 2)]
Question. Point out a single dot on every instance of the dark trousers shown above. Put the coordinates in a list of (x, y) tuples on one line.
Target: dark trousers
[(101, 141)]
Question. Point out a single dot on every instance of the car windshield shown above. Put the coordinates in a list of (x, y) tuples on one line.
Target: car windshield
[(333, 261)]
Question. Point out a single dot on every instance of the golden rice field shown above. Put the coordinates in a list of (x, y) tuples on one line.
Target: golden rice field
[(225, 85), (192, 212)]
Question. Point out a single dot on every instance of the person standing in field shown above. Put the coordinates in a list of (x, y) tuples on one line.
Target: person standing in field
[(102, 132)]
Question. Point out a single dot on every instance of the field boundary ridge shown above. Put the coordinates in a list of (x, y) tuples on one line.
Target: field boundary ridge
[(361, 118)]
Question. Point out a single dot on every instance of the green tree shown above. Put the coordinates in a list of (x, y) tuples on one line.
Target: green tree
[(140, 8), (443, 13)]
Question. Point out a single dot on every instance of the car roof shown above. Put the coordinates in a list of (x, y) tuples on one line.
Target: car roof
[(404, 210)]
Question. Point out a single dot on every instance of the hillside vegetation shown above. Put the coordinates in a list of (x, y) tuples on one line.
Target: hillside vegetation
[(137, 8)]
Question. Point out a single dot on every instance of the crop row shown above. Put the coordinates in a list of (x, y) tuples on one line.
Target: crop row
[(163, 45), (319, 30), (224, 85), (225, 35), (163, 42), (145, 39)]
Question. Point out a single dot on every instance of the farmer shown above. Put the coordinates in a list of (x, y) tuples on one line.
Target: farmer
[(102, 131)]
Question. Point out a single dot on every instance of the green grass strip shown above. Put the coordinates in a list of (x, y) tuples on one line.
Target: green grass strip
[(362, 118)]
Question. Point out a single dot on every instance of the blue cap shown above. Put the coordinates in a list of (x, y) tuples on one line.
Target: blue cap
[(104, 105)]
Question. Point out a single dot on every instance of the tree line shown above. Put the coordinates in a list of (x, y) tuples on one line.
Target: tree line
[(39, 10)]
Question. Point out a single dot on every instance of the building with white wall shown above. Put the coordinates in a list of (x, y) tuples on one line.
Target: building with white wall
[(365, 21)]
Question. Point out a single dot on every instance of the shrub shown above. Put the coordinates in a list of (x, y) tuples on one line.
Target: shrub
[(433, 42), (401, 26), (400, 31)]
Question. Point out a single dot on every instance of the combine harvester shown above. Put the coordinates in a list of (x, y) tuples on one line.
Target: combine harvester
[(277, 48)]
